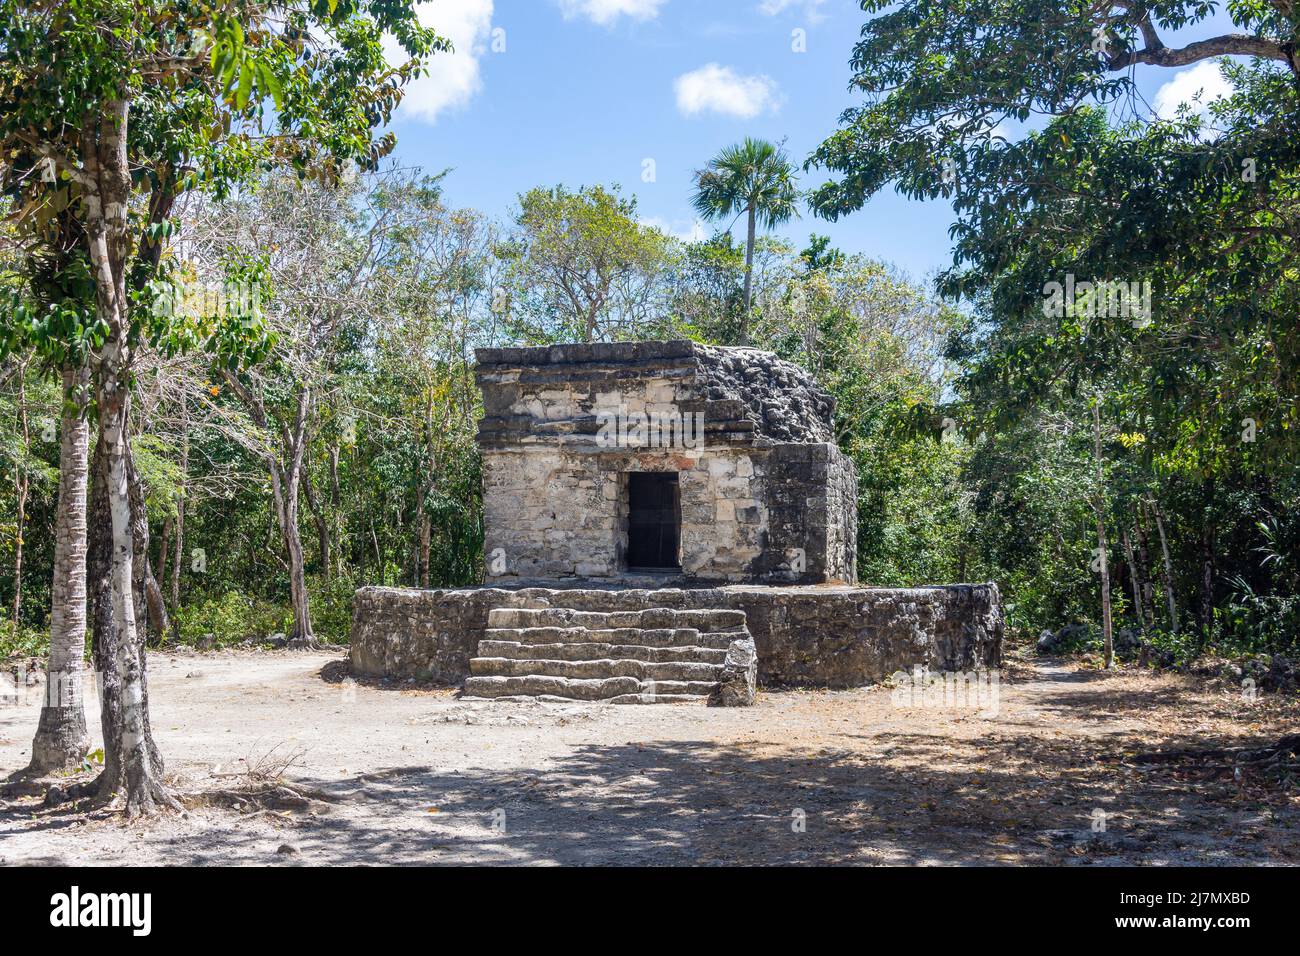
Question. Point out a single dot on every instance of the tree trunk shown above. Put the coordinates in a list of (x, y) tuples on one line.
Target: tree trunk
[(425, 523), (128, 749), (149, 604), (284, 489), (322, 525), (424, 549), (286, 477), (302, 632), (22, 483), (1133, 578), (179, 554), (61, 739), (286, 467), (1169, 567), (1108, 642), (1144, 567), (1207, 579), (131, 760), (749, 273)]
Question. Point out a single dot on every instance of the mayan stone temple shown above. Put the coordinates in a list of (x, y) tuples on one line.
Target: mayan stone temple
[(665, 522)]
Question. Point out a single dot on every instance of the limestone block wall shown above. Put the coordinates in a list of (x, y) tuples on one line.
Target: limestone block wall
[(780, 514), (548, 514), (841, 518), (811, 496), (826, 636)]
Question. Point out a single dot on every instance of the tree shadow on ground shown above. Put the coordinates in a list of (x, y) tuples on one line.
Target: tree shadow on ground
[(1024, 787), (700, 802)]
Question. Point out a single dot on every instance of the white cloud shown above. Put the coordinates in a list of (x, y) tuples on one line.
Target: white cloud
[(811, 8), (1205, 78), (720, 89), (606, 12), (687, 230), (453, 78)]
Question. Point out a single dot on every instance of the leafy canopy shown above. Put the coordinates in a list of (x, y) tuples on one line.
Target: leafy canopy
[(217, 89)]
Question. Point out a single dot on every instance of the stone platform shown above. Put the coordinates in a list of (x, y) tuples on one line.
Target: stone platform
[(814, 636)]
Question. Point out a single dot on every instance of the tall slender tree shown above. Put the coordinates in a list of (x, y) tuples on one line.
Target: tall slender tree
[(53, 320), (754, 179)]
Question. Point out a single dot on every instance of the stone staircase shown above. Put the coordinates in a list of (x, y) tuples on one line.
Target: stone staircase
[(652, 655)]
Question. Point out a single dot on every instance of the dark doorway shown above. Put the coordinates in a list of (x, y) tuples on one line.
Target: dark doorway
[(654, 519)]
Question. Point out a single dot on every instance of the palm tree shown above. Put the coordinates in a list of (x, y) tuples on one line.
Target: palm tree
[(61, 739), (754, 178)]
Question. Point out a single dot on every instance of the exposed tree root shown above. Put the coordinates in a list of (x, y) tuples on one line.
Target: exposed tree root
[(147, 797), (303, 644), (75, 793)]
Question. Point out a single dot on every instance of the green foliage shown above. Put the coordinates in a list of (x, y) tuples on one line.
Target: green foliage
[(27, 642), (752, 175), (972, 430), (231, 618), (159, 472), (706, 290), (1199, 397), (212, 95), (582, 266), (242, 615)]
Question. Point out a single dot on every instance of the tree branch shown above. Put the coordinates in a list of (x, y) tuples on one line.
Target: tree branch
[(1156, 53), (1230, 44)]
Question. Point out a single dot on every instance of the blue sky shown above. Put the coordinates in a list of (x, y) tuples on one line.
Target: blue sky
[(580, 92)]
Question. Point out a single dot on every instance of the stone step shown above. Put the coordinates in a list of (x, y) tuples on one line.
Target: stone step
[(701, 699), (647, 618), (536, 686), (654, 655), (597, 669), (659, 699), (592, 689), (675, 688), (643, 637), (594, 651)]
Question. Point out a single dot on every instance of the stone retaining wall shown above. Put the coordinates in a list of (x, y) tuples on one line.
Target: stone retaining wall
[(824, 636)]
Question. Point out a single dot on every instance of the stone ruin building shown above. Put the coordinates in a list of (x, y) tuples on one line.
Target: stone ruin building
[(664, 522), (651, 464)]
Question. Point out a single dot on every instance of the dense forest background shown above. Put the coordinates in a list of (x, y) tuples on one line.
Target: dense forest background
[(1098, 465), (373, 296)]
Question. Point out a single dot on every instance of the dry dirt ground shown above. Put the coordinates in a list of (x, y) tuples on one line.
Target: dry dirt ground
[(404, 775)]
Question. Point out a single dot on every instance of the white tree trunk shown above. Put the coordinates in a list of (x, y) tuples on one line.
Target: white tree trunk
[(285, 488), (129, 758)]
